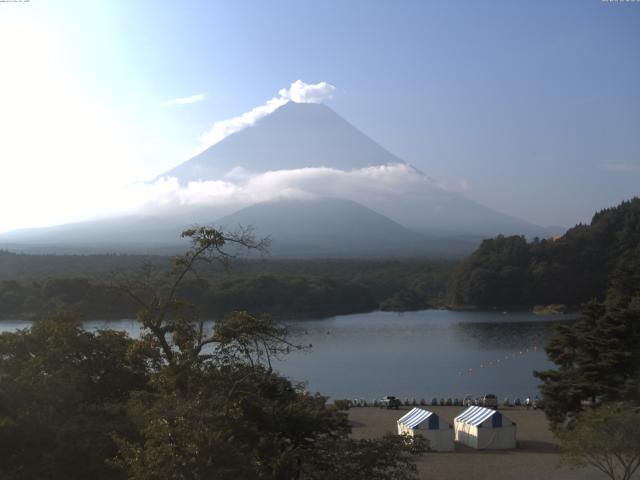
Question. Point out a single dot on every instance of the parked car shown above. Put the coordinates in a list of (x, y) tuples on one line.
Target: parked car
[(468, 401), (489, 401), (537, 403), (389, 402)]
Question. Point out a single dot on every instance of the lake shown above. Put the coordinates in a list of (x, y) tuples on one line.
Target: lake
[(425, 354)]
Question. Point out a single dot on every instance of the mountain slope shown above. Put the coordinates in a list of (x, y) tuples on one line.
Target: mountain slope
[(425, 216), (296, 135), (337, 227), (126, 234), (298, 228), (299, 135), (440, 212)]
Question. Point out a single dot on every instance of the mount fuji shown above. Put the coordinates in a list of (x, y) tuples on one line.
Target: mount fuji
[(311, 181), (296, 135)]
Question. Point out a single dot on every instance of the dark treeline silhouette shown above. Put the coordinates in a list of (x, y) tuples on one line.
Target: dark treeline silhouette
[(32, 284), (596, 379), (572, 269)]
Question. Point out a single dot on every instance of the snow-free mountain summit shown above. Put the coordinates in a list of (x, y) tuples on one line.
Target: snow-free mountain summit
[(307, 135), (296, 135)]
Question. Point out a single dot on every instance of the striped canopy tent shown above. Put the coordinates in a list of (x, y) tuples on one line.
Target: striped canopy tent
[(484, 429), (428, 424)]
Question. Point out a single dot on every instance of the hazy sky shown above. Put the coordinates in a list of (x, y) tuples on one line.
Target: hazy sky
[(532, 108)]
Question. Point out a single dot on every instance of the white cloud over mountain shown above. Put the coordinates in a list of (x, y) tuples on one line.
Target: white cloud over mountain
[(241, 188), (298, 91), (301, 92)]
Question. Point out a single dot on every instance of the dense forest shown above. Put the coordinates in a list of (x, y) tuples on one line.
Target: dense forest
[(502, 272), (32, 284), (572, 269), (592, 395)]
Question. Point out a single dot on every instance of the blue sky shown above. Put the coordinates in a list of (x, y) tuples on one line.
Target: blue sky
[(531, 108)]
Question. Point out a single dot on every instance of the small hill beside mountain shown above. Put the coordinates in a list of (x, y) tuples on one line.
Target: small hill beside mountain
[(336, 227), (297, 228)]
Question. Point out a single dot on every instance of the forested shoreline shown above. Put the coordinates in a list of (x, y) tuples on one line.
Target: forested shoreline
[(86, 285), (503, 273), (572, 269)]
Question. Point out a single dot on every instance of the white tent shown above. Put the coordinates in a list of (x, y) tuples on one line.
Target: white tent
[(428, 424), (483, 428)]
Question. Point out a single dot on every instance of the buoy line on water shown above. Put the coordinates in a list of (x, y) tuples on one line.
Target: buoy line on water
[(501, 361)]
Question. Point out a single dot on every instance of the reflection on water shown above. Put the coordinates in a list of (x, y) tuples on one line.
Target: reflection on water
[(508, 335), (432, 353)]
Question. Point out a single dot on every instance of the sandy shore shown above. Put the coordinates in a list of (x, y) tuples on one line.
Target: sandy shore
[(537, 455)]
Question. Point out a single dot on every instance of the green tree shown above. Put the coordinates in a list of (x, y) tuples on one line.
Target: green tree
[(62, 392), (597, 357), (572, 269), (182, 402), (385, 458), (607, 438), (216, 408)]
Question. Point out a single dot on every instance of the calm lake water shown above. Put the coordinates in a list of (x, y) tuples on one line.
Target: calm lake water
[(426, 354)]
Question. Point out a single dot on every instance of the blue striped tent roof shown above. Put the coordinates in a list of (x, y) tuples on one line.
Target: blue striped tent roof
[(476, 415), (415, 417)]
